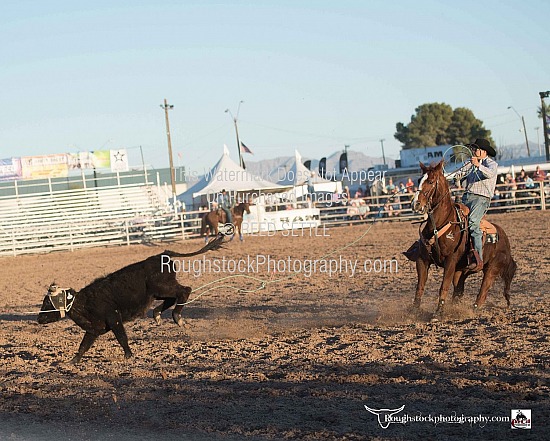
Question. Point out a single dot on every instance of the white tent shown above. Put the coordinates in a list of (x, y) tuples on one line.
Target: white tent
[(226, 175), (294, 172)]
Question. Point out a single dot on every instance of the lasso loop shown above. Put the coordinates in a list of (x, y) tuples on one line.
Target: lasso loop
[(263, 283)]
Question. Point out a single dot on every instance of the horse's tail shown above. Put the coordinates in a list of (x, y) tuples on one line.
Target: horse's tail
[(507, 275), (509, 271)]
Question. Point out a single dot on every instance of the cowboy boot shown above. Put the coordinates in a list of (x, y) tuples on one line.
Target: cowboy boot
[(475, 264)]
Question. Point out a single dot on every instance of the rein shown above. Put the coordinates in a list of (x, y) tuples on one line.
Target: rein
[(437, 232)]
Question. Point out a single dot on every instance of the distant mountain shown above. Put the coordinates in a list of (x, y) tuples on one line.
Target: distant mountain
[(267, 168), (515, 151)]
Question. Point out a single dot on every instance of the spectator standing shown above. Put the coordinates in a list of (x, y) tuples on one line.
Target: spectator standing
[(539, 175)]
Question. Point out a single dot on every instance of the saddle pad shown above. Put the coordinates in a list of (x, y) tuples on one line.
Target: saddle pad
[(487, 227)]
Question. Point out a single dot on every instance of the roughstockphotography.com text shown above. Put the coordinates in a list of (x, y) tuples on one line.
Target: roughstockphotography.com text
[(261, 263)]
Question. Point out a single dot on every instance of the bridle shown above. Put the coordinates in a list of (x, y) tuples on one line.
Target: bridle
[(429, 197), (430, 210)]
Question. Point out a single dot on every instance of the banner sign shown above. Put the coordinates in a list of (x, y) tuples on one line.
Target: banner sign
[(10, 169), (46, 166), (80, 161), (323, 167), (119, 160), (101, 158), (59, 165), (343, 162)]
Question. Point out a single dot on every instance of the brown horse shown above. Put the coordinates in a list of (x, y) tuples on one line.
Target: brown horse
[(444, 242), (211, 221)]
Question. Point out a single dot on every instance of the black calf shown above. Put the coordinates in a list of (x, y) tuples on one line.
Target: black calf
[(108, 302)]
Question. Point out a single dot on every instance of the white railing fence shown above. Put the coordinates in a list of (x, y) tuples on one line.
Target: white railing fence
[(125, 214)]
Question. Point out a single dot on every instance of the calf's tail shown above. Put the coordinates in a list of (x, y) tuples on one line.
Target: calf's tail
[(214, 244)]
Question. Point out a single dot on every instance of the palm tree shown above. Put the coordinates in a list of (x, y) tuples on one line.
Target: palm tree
[(547, 108)]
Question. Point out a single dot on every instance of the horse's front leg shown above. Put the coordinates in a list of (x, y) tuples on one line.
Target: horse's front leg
[(458, 281), (448, 275), (422, 274)]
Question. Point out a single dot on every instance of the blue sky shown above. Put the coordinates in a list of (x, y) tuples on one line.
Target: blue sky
[(314, 76)]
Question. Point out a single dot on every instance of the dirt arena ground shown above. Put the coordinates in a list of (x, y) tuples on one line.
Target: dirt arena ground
[(299, 359)]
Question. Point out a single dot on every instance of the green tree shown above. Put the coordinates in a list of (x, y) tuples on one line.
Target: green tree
[(438, 124)]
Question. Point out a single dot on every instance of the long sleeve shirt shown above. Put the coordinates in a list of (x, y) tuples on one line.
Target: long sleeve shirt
[(480, 180)]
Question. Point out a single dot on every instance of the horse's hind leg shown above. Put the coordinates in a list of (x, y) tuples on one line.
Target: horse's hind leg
[(489, 277), (458, 281)]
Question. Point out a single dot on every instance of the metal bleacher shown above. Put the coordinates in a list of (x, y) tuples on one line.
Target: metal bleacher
[(75, 218)]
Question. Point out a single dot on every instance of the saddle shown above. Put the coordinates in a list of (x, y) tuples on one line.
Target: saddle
[(487, 227), (490, 234)]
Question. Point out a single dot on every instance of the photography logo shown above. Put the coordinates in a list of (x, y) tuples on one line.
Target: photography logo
[(521, 418), (385, 415)]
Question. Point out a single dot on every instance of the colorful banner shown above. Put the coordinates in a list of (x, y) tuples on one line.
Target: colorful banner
[(46, 166), (58, 165), (80, 161), (119, 160), (10, 169), (101, 158)]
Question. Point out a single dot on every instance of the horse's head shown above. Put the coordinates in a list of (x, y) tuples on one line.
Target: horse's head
[(431, 185), (246, 206)]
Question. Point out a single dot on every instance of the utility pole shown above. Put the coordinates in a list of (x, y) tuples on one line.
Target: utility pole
[(166, 108), (544, 123), (538, 140), (524, 129), (526, 140), (234, 118), (383, 154)]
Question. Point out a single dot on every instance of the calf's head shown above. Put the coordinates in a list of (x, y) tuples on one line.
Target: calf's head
[(56, 303)]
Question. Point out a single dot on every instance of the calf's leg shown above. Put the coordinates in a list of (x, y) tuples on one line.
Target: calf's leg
[(86, 343), (182, 294), (161, 308), (115, 323)]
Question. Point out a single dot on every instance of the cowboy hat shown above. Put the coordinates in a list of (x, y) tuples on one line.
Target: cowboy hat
[(483, 144)]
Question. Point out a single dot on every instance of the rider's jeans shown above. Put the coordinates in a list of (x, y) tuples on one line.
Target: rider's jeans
[(478, 206)]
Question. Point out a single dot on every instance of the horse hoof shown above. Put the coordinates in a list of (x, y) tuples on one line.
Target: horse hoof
[(241, 238), (156, 316)]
